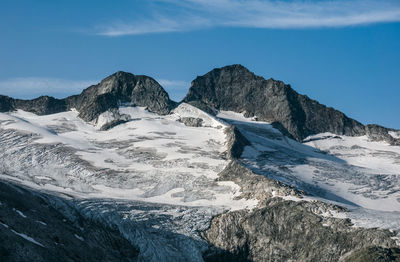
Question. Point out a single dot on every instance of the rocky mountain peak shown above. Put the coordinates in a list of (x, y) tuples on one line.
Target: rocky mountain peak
[(121, 87), (118, 88), (231, 88), (235, 88)]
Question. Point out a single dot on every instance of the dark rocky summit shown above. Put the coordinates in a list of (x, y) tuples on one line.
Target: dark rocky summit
[(114, 90), (235, 88), (120, 88)]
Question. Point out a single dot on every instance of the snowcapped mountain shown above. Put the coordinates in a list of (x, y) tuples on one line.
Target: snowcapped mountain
[(242, 169)]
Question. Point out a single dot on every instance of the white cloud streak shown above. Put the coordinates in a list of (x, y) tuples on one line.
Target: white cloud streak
[(188, 15), (31, 87), (173, 83)]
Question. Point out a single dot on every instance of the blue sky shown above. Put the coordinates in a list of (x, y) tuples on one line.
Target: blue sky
[(345, 54)]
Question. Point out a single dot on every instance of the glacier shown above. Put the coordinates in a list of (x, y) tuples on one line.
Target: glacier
[(157, 179)]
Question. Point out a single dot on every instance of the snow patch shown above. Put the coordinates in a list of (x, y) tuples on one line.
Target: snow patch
[(41, 222), (79, 237), (27, 238), (20, 213), (395, 134), (186, 110)]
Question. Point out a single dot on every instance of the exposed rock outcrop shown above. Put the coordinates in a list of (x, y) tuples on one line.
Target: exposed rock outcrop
[(235, 142), (43, 105), (380, 133), (374, 254), (192, 121), (6, 104), (287, 231)]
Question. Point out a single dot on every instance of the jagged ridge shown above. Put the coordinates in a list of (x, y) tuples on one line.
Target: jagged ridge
[(235, 88), (120, 87), (232, 88)]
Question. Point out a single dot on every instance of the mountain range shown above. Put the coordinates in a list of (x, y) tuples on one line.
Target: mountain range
[(242, 169)]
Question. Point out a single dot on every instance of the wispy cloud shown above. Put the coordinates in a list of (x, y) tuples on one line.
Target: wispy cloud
[(157, 24), (30, 87), (173, 83), (186, 15)]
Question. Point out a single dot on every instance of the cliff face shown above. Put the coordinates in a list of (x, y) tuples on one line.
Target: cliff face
[(235, 88), (6, 104), (287, 231)]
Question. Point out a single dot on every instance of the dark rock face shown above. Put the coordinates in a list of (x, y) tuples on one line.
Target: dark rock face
[(376, 132), (192, 121), (236, 142), (237, 89), (43, 105), (374, 254), (6, 104), (287, 231), (119, 88), (380, 133), (31, 229)]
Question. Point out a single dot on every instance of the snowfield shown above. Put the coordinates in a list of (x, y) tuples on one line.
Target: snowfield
[(152, 177), (149, 158), (155, 179)]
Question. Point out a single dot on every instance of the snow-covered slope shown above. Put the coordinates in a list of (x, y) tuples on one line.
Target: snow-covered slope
[(148, 158), (148, 176), (362, 175), (156, 178)]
